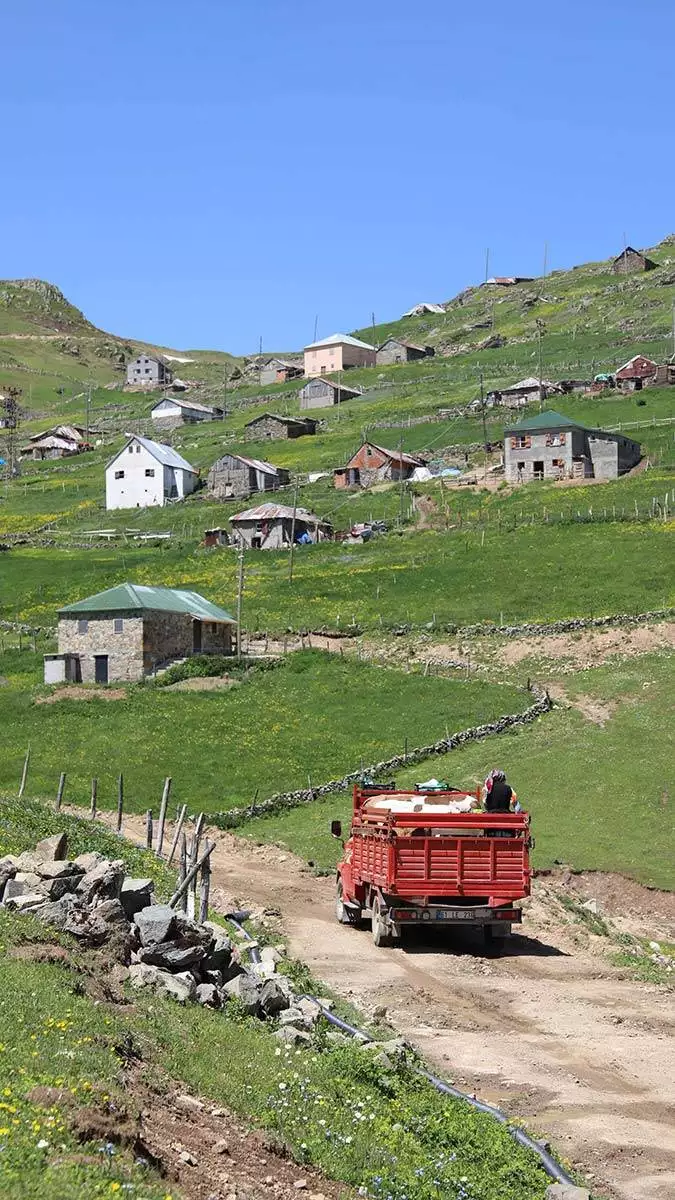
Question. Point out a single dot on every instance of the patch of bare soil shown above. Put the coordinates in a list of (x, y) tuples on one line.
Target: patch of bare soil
[(590, 647), (75, 692), (597, 711), (205, 683), (550, 1031), (210, 1155), (633, 907)]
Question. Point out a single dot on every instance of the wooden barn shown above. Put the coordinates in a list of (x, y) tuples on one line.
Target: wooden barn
[(324, 393), (635, 373), (234, 476), (375, 464), (271, 526), (396, 350), (274, 427)]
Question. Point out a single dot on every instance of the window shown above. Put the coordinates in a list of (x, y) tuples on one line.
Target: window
[(119, 474), (83, 625), (131, 449), (138, 449), (149, 472), (555, 439), (521, 442), (147, 370), (118, 624)]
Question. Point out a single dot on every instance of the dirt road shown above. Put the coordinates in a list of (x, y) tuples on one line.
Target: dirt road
[(551, 1031)]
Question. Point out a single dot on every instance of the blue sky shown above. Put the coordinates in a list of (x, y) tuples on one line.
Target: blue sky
[(204, 174)]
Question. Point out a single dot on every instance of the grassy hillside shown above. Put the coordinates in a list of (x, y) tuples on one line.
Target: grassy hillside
[(599, 794)]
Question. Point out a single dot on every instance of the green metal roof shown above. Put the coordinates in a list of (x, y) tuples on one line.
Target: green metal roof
[(545, 420), (133, 597)]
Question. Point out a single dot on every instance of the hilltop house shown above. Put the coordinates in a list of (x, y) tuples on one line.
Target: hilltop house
[(551, 446), (130, 631), (272, 426), (507, 280), (277, 370), (630, 260), (375, 464), (338, 352), (323, 393), (396, 350), (634, 374), (419, 310), (234, 476), (272, 526), (148, 371), (60, 441), (520, 394), (171, 411), (144, 474)]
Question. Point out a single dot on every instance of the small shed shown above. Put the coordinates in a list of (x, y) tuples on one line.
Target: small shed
[(396, 350), (631, 260), (507, 280), (274, 427), (278, 370), (419, 310), (376, 464), (235, 476), (524, 391), (275, 526), (324, 393), (633, 375)]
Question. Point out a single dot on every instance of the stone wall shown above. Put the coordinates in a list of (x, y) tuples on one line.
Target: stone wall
[(124, 649), (171, 635)]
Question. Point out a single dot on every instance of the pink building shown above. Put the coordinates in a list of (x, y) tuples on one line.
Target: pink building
[(338, 352)]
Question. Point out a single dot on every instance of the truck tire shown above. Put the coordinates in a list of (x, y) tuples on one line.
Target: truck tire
[(343, 914), (378, 924)]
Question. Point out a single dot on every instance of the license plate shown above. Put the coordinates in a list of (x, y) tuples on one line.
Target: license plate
[(454, 914)]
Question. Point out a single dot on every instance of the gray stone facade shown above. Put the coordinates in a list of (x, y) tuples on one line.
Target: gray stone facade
[(148, 371), (125, 647), (567, 454)]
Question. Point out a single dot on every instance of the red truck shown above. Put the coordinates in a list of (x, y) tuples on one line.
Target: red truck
[(419, 857)]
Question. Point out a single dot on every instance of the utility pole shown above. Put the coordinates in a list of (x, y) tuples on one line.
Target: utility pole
[(545, 259), (540, 329), (9, 407), (240, 592), (316, 327), (88, 413), (487, 263), (673, 330), (260, 361), (485, 439), (400, 480), (295, 509), (372, 321)]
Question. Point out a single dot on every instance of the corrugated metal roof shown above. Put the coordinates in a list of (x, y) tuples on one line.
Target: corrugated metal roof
[(270, 512), (132, 597), (284, 420), (397, 455), (331, 383), (336, 338), (258, 464), (183, 404), (164, 454)]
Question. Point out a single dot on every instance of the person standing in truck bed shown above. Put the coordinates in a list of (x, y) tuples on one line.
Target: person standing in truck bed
[(499, 795)]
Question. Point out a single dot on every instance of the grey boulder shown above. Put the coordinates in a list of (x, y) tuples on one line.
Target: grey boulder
[(172, 955), (566, 1191), (53, 848), (23, 885), (208, 995), (25, 902), (155, 923), (273, 998), (59, 912), (136, 894), (179, 987), (292, 1036), (245, 990), (103, 883), (89, 860)]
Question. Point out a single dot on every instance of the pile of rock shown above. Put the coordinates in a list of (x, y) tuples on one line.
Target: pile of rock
[(91, 898)]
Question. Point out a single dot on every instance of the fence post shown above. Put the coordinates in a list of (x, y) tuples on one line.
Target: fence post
[(24, 773), (190, 876), (177, 833), (205, 887), (120, 801), (148, 829), (59, 790), (94, 791), (182, 874), (162, 815)]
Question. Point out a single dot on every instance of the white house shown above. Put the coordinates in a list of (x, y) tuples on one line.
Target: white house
[(172, 410), (145, 473)]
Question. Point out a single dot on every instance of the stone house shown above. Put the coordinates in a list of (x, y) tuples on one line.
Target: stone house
[(146, 474), (338, 352), (630, 260), (129, 631), (61, 441), (148, 371), (523, 392), (272, 526), (277, 370), (235, 476), (551, 446), (376, 464), (324, 393), (396, 350), (274, 427), (171, 411), (634, 374)]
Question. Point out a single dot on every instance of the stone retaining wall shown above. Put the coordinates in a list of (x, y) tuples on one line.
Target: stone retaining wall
[(235, 817)]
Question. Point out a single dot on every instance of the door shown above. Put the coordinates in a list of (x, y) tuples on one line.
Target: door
[(538, 467), (196, 637), (101, 668)]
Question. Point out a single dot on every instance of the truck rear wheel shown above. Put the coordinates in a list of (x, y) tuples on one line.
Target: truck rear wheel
[(345, 915), (378, 923)]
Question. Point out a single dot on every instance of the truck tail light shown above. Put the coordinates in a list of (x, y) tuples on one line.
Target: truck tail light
[(404, 914)]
